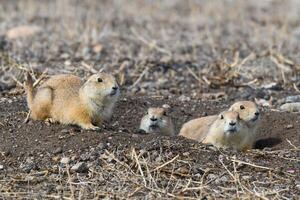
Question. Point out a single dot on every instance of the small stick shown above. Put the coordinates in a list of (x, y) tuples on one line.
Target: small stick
[(140, 78), (150, 44), (89, 67), (193, 74), (291, 144), (139, 166), (27, 117), (42, 76), (296, 88), (161, 166)]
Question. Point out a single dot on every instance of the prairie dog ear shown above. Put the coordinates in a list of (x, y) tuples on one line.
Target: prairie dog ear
[(120, 78), (221, 115), (167, 108)]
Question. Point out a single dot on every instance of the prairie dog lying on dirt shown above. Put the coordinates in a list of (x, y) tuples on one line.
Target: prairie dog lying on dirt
[(157, 121), (228, 130), (68, 100), (197, 129)]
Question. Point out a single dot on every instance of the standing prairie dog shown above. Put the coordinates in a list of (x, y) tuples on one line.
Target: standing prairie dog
[(228, 131), (197, 129), (157, 121), (68, 100)]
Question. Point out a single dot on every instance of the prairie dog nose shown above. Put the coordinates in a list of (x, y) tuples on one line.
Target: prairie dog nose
[(115, 87), (232, 123), (256, 113), (153, 119)]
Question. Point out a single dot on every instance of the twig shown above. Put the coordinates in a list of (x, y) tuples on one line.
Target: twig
[(69, 181), (161, 166), (140, 78), (139, 166), (291, 144), (42, 76), (27, 117), (193, 74), (296, 87), (250, 164), (151, 45), (89, 67)]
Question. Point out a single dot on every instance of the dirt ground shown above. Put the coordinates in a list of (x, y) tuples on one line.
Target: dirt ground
[(196, 56)]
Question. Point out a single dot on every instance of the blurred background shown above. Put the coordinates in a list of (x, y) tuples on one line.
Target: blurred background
[(190, 49)]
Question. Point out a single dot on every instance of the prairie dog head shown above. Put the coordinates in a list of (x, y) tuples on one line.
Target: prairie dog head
[(230, 121), (156, 120), (248, 111), (101, 86)]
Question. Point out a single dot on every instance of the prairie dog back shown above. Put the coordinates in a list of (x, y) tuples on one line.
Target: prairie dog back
[(157, 121), (197, 129)]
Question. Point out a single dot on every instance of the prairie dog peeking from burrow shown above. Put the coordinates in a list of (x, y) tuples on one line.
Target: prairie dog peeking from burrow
[(197, 129), (67, 99), (156, 120), (229, 131)]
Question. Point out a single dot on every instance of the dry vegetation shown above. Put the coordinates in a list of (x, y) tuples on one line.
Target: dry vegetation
[(175, 51)]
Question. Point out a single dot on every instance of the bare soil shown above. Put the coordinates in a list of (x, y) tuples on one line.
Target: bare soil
[(197, 57)]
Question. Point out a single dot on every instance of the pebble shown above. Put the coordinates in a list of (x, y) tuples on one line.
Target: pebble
[(291, 99), (58, 150), (290, 126), (1, 167), (184, 98), (65, 160), (166, 106), (291, 107), (80, 167)]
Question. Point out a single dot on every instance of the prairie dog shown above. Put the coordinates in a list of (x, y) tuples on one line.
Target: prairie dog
[(197, 129), (228, 130), (67, 99), (157, 121)]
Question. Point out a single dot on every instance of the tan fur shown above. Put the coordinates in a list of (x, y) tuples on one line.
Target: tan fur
[(69, 100), (197, 129), (162, 124), (220, 134)]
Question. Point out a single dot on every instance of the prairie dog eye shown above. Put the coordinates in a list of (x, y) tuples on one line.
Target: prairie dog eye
[(242, 107), (99, 80), (164, 113), (222, 117)]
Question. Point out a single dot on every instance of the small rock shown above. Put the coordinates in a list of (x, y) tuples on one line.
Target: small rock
[(65, 131), (58, 150), (211, 176), (55, 158), (291, 107), (1, 167), (65, 160), (186, 154), (59, 188), (273, 86), (184, 98), (85, 157), (291, 99), (166, 106), (80, 167), (28, 166), (290, 126)]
